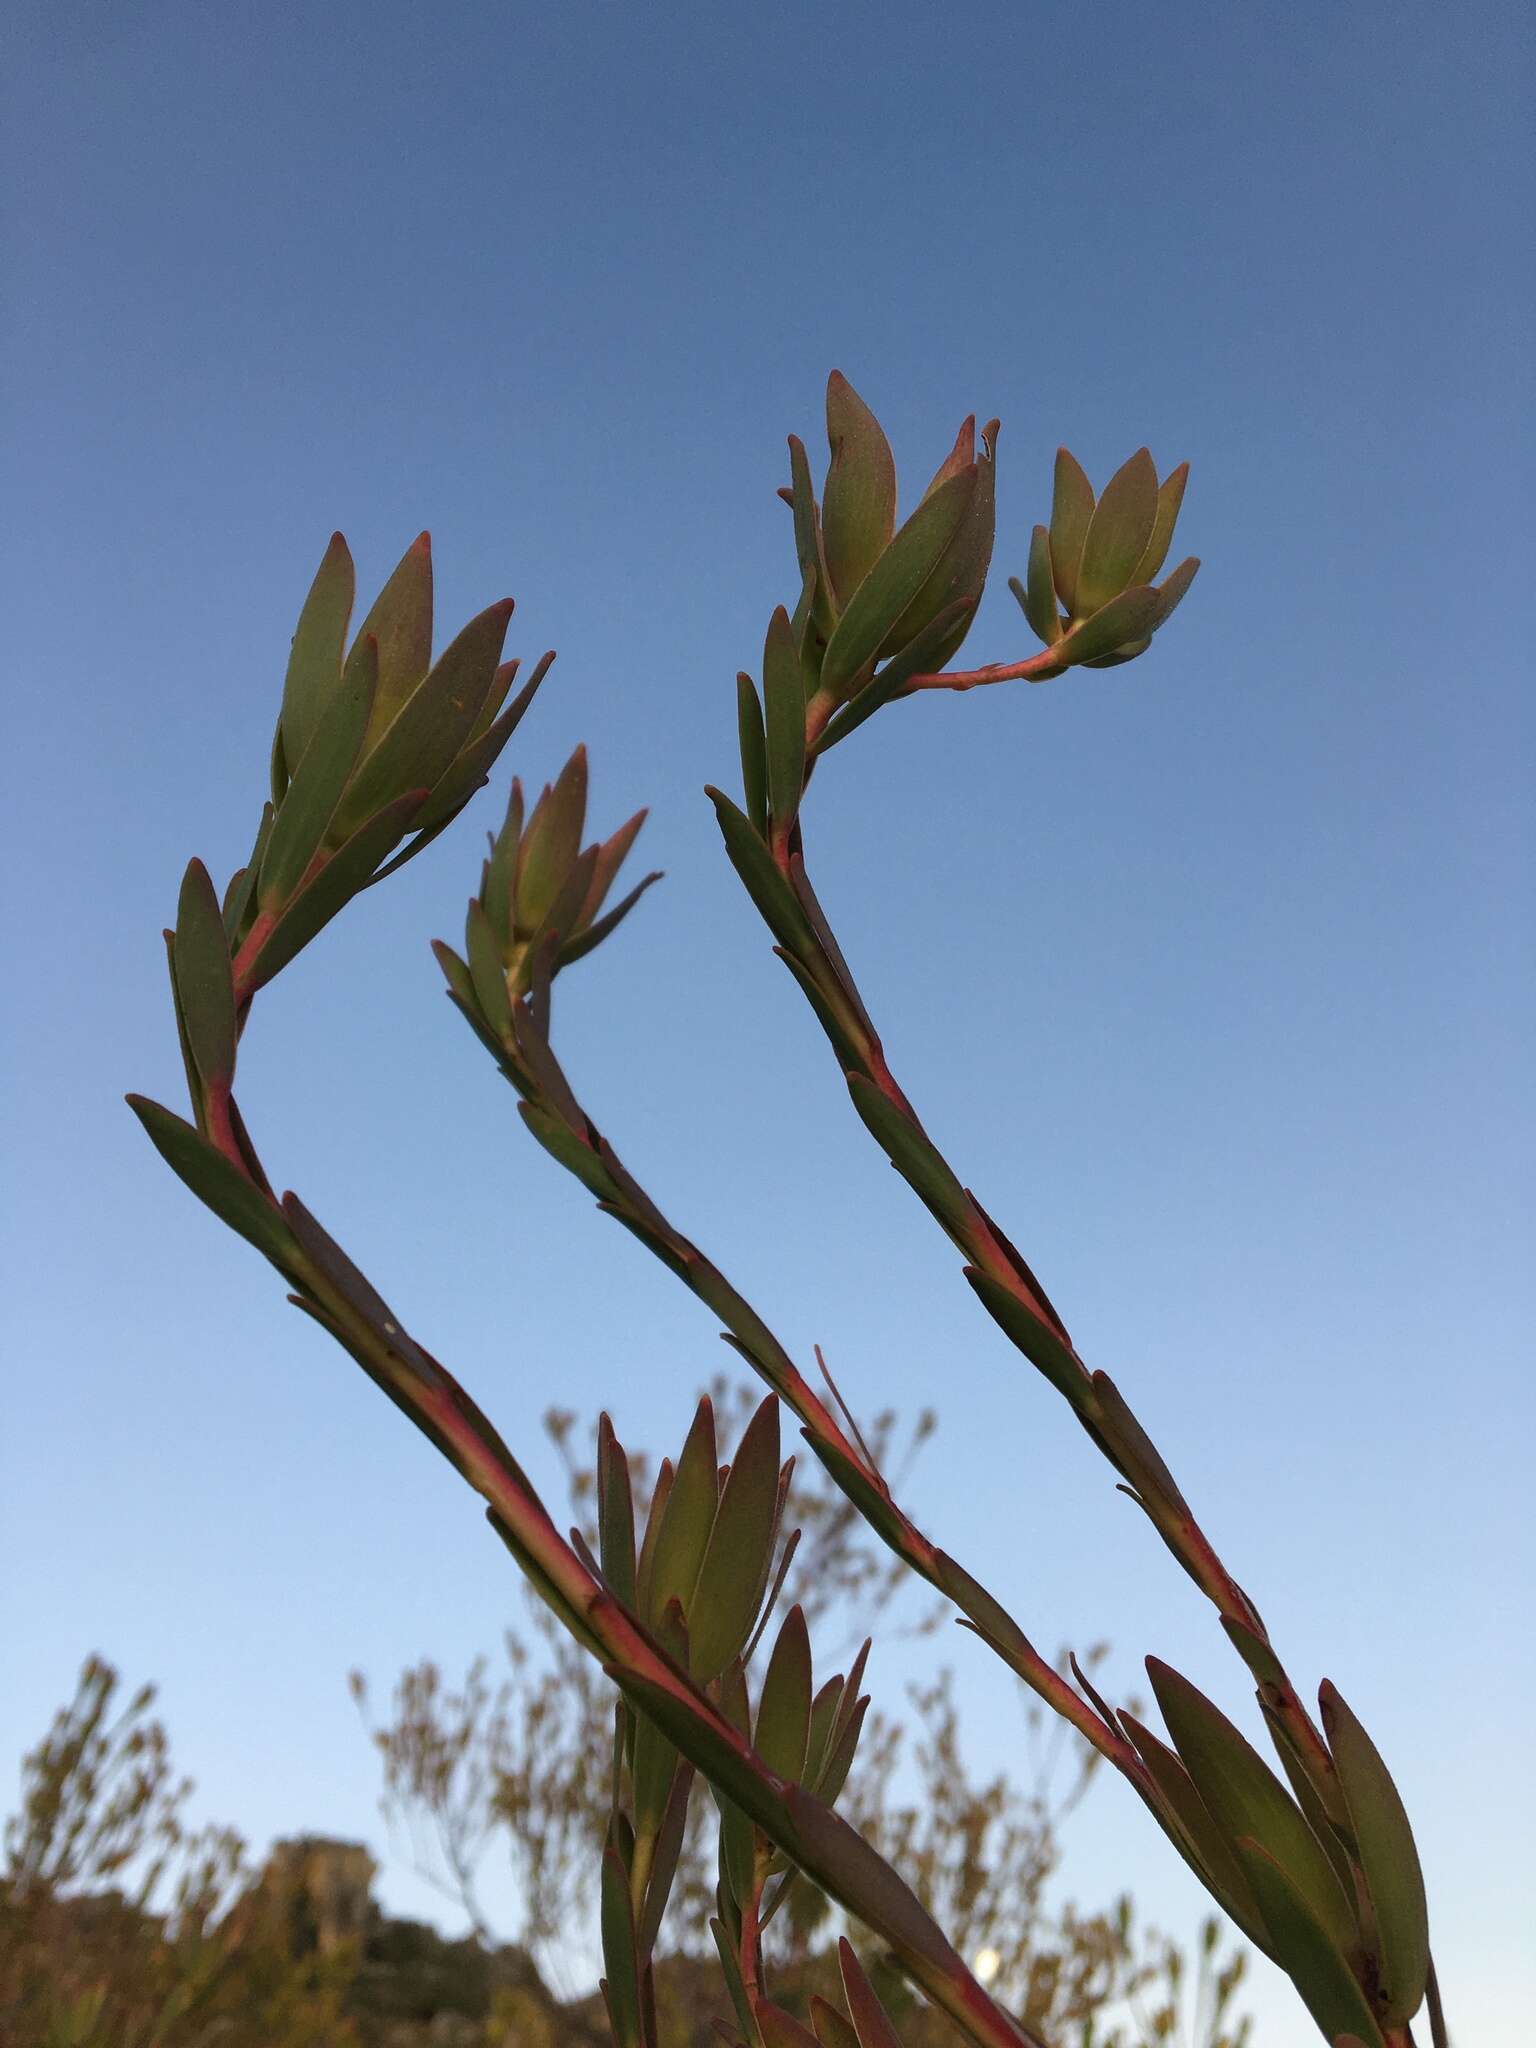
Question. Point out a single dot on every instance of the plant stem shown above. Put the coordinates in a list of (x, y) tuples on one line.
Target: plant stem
[(993, 1261)]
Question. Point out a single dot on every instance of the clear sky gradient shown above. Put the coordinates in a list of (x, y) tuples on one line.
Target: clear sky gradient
[(1212, 972)]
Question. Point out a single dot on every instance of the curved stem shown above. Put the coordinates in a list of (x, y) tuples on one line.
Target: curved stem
[(528, 1061), (1014, 1297)]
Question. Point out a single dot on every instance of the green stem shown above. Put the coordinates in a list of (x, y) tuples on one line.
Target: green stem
[(818, 957), (600, 1170)]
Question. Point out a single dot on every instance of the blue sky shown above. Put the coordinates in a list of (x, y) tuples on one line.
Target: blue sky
[(1213, 972)]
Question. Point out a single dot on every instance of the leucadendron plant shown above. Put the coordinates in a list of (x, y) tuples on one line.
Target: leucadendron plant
[(377, 750)]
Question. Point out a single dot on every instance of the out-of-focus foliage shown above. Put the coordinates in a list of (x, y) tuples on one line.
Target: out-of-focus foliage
[(122, 1927)]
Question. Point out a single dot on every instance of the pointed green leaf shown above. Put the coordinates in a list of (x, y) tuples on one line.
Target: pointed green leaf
[(456, 973), (913, 1155), (550, 843), (1245, 1798), (960, 574), (401, 622), (314, 661), (858, 512), (1038, 597), (652, 1530), (784, 1709), (823, 1715), (1307, 1952), (845, 1742), (487, 972), (1117, 533), (664, 1860), (1170, 497), (469, 771), (619, 1960), (689, 1517), (585, 942), (891, 586), (1171, 591), (731, 1970), (222, 1187), (809, 550), (776, 901), (1307, 1795), (564, 914), (615, 1515), (348, 870), (1388, 1856), (1136, 1454), (784, 710), (960, 457), (1199, 1840), (419, 745), (319, 779), (205, 986), (496, 876), (754, 752), (725, 1598), (240, 897), (1071, 514), (1130, 616), (611, 855), (869, 2018), (843, 1863), (563, 1144)]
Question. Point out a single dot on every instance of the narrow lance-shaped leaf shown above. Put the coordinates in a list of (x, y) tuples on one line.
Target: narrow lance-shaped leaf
[(858, 513), (960, 457), (551, 842), (223, 1188), (1188, 1823), (1118, 532), (784, 712), (348, 870), (895, 581), (726, 1593), (204, 980), (784, 1709), (1246, 1798), (960, 574), (1170, 497), (400, 621), (420, 743), (1130, 616), (619, 1960), (688, 1518), (314, 660), (1307, 1951), (315, 788), (869, 2017), (1388, 1856), (615, 1514), (1038, 596), (1071, 511)]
